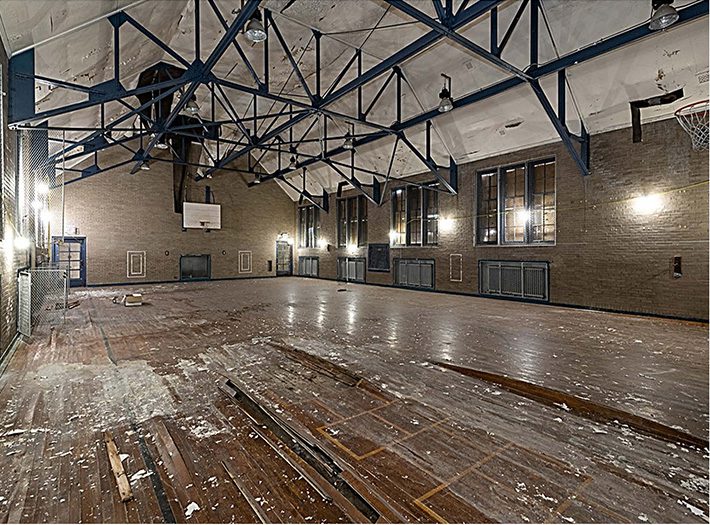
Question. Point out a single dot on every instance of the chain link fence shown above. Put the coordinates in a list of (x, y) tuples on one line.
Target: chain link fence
[(43, 300), (43, 291)]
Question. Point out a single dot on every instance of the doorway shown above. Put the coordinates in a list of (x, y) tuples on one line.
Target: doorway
[(69, 253), (284, 258)]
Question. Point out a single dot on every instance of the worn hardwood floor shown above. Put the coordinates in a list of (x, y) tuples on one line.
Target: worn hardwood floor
[(349, 375)]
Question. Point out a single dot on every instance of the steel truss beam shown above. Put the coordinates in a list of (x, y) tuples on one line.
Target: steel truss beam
[(493, 57), (199, 73), (687, 14)]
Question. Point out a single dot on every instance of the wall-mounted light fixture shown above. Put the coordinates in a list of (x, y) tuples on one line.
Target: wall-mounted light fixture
[(648, 204), (446, 224), (284, 237), (21, 243)]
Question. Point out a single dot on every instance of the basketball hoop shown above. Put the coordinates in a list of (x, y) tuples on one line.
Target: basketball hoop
[(694, 120), (205, 225)]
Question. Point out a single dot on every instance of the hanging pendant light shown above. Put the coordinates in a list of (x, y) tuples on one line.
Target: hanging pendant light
[(664, 15), (191, 108), (255, 29), (349, 142), (446, 103)]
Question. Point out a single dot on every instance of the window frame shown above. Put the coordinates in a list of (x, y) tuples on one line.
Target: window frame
[(308, 226), (402, 192), (499, 173), (346, 226)]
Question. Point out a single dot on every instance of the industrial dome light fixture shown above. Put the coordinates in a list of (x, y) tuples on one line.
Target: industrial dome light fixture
[(664, 15), (145, 165), (446, 103), (255, 29), (192, 107), (257, 178), (162, 144), (294, 158), (349, 142)]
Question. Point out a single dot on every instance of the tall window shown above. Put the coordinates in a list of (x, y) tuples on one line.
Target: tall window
[(362, 221), (431, 217), (399, 217), (516, 214), (542, 219), (308, 226), (487, 217), (352, 221), (518, 200), (415, 216)]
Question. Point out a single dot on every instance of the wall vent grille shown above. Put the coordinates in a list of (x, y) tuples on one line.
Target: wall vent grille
[(522, 279)]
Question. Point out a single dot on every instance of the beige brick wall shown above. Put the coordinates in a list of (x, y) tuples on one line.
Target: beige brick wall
[(10, 260), (118, 212), (606, 255)]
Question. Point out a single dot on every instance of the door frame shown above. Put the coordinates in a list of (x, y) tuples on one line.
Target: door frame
[(81, 281), (290, 259)]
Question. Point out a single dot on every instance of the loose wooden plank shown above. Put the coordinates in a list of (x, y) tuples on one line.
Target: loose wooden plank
[(247, 495), (124, 487), (581, 407)]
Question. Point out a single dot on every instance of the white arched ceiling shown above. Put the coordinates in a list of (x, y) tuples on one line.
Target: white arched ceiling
[(600, 89)]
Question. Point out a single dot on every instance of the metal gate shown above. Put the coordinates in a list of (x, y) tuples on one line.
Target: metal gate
[(42, 298), (24, 304)]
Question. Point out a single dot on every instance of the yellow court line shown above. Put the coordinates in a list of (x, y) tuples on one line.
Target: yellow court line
[(566, 503), (419, 502), (388, 422), (360, 457)]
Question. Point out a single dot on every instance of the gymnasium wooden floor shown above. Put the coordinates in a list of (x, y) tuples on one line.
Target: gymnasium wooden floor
[(294, 400)]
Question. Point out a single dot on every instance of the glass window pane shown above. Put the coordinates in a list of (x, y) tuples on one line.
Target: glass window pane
[(341, 223), (352, 221), (399, 219), (487, 216), (414, 215), (431, 219), (516, 216), (543, 217), (362, 221)]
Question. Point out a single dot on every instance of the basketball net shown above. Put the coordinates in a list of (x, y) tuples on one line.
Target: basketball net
[(694, 120)]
